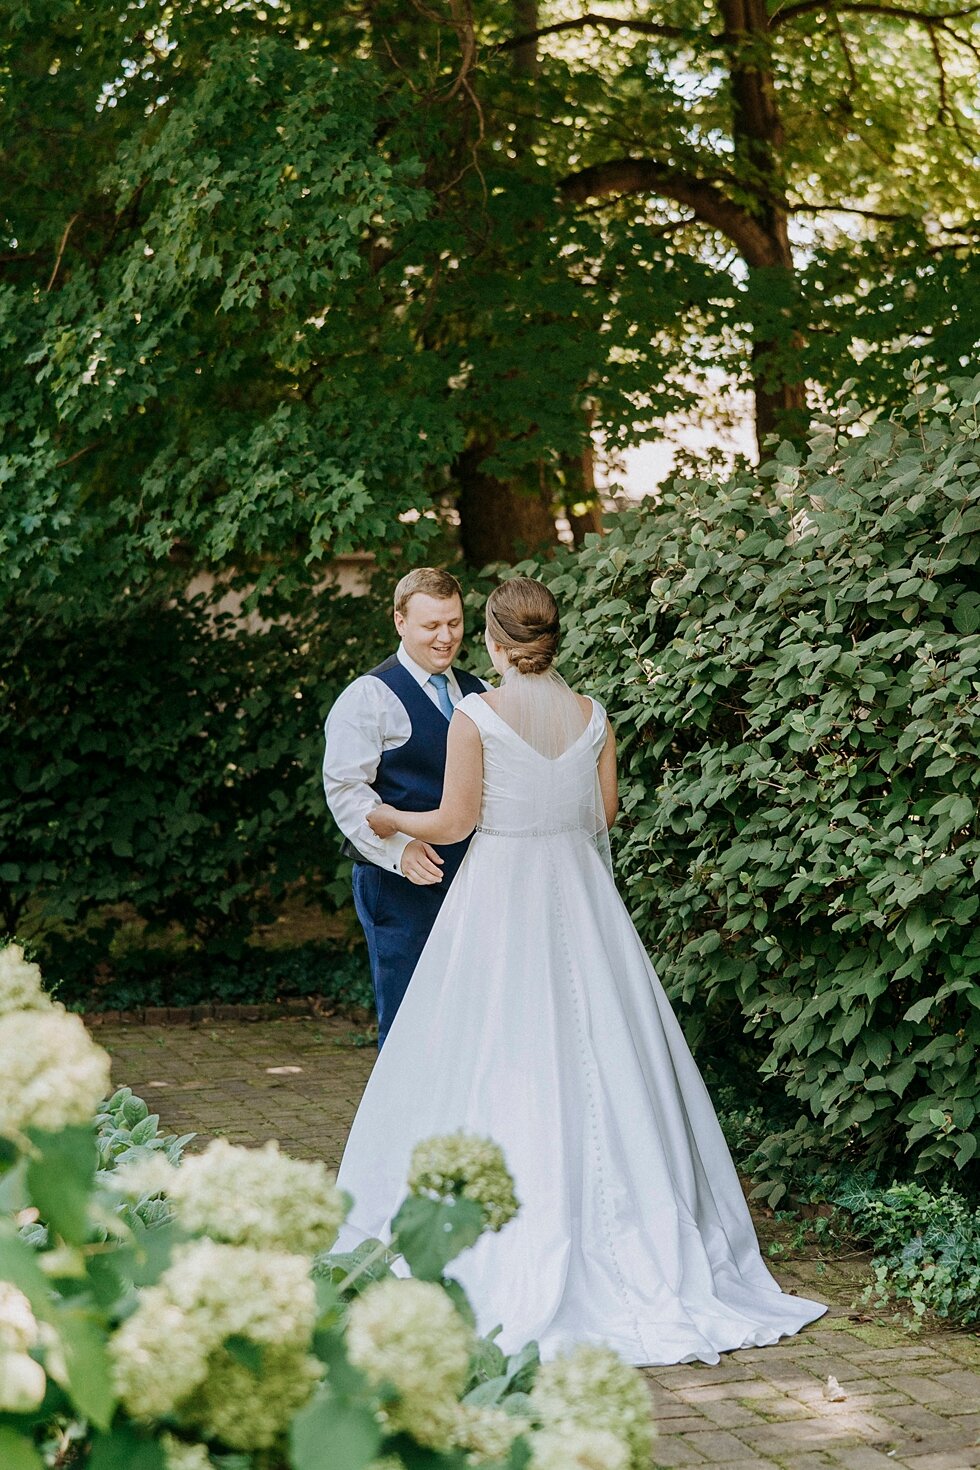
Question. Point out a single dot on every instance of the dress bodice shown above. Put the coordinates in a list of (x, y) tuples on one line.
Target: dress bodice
[(526, 793)]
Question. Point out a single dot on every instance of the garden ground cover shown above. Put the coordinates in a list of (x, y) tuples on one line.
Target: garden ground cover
[(911, 1401)]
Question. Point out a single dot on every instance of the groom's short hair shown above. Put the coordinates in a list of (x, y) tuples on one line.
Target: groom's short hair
[(431, 580)]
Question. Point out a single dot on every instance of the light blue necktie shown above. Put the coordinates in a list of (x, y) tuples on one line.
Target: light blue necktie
[(441, 684)]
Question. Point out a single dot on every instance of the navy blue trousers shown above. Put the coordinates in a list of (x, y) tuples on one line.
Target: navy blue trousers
[(396, 917)]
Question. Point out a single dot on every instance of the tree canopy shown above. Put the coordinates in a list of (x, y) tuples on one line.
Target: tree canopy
[(281, 280)]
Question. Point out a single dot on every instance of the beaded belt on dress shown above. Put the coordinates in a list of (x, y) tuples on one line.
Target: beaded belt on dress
[(530, 832)]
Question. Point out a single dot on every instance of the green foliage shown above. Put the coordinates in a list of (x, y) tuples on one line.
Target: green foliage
[(167, 760), (925, 1244), (195, 341), (148, 1313), (170, 976), (126, 1131), (267, 271), (927, 1249), (431, 1233), (793, 664)]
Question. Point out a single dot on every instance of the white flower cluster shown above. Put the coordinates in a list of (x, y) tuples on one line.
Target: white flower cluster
[(258, 1197), (151, 1174), (170, 1357), (462, 1164), (20, 983), (577, 1447), (52, 1075), (588, 1392), (408, 1334), (22, 1380), (179, 1455), (486, 1433)]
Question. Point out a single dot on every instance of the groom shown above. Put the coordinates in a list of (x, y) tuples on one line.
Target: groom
[(386, 742)]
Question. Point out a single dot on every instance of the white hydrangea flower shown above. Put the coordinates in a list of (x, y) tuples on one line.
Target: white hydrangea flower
[(22, 1379), (259, 1197), (18, 1326), (577, 1447), (408, 1334), (55, 1363), (159, 1356), (170, 1359), (179, 1455), (21, 987), (246, 1411), (152, 1174), (462, 1164), (592, 1388), (52, 1074), (22, 1383), (487, 1433)]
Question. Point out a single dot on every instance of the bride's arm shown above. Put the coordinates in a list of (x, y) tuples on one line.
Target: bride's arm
[(462, 793), (608, 784)]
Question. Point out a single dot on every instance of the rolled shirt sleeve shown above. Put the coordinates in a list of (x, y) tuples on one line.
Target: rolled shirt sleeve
[(356, 732)]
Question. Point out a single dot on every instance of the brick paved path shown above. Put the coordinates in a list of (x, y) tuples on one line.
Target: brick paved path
[(912, 1402)]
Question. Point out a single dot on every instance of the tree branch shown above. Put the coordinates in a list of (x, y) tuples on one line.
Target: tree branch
[(876, 214), (942, 112), (602, 22), (867, 7), (78, 454), (61, 251), (709, 204)]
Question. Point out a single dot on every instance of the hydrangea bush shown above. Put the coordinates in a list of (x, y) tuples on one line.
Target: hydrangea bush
[(160, 1314)]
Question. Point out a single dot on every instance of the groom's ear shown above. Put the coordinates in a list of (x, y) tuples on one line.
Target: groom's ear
[(399, 623)]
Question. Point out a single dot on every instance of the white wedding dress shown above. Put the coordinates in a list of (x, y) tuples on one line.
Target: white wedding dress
[(535, 1018)]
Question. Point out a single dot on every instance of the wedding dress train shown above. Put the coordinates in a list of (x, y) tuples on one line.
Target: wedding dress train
[(535, 1018)]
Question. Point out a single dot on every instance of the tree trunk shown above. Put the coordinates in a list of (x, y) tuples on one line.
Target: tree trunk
[(499, 521), (582, 504), (525, 69), (757, 133)]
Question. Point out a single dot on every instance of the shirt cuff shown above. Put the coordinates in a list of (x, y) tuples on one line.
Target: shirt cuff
[(394, 847)]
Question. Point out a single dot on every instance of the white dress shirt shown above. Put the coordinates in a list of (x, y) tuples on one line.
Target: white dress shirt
[(366, 720)]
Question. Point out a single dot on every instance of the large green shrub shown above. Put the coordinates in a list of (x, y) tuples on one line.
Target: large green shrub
[(168, 760), (792, 660)]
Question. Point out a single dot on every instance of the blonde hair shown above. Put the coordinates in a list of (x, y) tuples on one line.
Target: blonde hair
[(522, 619), (431, 580)]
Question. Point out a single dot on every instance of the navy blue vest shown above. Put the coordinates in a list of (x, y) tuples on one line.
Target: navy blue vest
[(411, 776)]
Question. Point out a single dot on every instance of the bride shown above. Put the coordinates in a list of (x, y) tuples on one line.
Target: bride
[(534, 1017)]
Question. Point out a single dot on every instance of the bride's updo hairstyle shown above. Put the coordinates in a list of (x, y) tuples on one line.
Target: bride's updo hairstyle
[(522, 619)]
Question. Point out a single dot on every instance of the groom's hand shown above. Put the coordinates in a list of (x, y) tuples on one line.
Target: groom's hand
[(421, 863)]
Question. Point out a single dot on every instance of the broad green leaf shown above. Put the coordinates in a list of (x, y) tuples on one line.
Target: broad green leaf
[(125, 1448), (330, 1433), (60, 1180), (246, 1352), (431, 1233), (18, 1264), (17, 1450), (967, 1149), (415, 1457), (84, 1344)]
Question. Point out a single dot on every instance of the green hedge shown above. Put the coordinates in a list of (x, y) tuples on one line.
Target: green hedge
[(166, 763), (146, 975), (793, 664)]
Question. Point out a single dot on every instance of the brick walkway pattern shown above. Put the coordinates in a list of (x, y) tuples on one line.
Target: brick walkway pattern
[(910, 1401)]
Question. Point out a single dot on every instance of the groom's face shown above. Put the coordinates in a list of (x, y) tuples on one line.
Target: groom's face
[(431, 629)]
